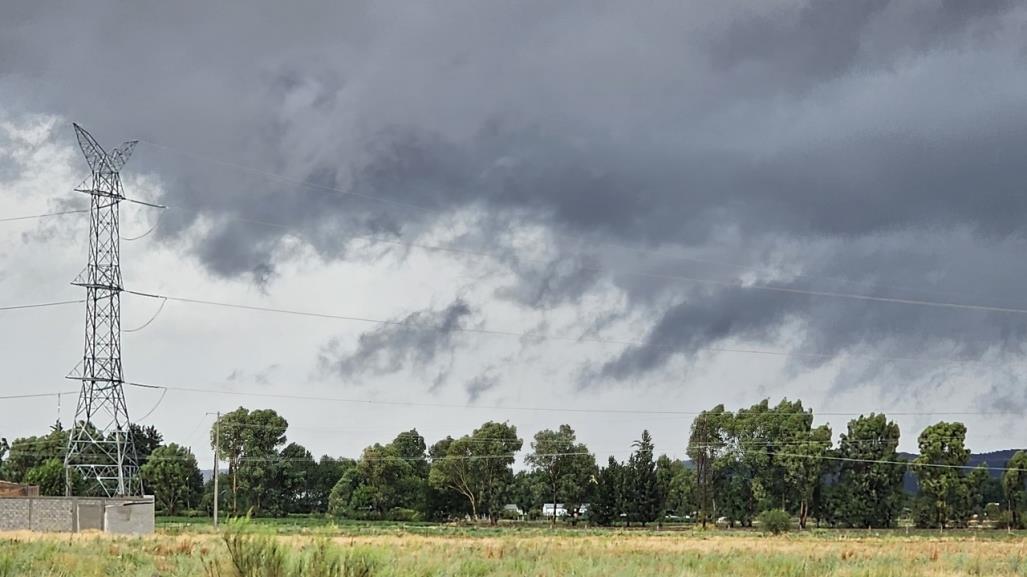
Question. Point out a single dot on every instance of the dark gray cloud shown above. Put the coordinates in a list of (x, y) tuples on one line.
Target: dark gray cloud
[(414, 341), (480, 384), (848, 137)]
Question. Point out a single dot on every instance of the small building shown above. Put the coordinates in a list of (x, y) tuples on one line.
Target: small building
[(8, 489), (547, 510)]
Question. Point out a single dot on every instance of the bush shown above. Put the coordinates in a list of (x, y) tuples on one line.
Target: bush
[(1004, 520), (255, 555), (403, 515), (775, 521)]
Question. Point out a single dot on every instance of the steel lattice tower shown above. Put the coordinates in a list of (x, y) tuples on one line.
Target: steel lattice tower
[(100, 445)]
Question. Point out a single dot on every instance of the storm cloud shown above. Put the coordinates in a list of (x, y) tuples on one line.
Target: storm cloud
[(861, 147), (413, 341)]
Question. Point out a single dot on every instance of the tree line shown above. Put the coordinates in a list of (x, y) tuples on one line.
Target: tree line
[(740, 464)]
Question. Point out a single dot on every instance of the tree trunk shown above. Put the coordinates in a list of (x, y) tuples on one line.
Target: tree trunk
[(235, 487), (554, 501)]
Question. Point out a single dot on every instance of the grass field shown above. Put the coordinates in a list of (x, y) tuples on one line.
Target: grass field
[(355, 551)]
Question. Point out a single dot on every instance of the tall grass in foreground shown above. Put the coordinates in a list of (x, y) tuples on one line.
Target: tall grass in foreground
[(260, 555)]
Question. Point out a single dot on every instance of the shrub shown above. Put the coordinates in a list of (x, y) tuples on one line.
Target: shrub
[(360, 563), (255, 555), (775, 521), (403, 515), (322, 560)]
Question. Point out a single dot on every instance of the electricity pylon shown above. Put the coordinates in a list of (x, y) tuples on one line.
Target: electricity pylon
[(100, 445)]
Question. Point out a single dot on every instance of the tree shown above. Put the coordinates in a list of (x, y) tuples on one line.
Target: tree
[(410, 447), (173, 476), (249, 442), (1014, 486), (27, 453), (49, 476), (478, 467), (804, 465), (643, 499), (707, 444), (146, 440), (299, 474), (4, 447), (869, 480), (607, 505), (760, 431), (942, 454), (328, 472), (976, 486), (442, 502), (677, 485), (566, 465), (528, 491), (342, 493), (381, 471)]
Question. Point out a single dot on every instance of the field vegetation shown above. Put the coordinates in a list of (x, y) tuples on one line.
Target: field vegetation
[(274, 550)]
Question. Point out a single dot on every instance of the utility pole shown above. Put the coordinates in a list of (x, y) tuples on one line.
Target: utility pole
[(217, 459), (100, 445)]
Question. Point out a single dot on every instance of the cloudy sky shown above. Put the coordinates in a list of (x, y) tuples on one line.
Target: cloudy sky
[(574, 206)]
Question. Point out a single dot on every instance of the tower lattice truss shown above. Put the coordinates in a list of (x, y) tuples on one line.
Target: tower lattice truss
[(101, 454)]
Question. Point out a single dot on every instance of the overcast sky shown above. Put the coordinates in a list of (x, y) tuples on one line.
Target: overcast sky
[(617, 189)]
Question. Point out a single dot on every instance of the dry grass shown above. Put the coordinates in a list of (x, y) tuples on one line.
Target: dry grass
[(591, 554)]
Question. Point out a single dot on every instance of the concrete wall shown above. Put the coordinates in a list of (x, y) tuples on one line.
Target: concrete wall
[(70, 514), (129, 517)]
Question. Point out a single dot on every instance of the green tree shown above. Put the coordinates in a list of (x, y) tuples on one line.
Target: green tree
[(942, 454), (868, 490), (410, 447), (566, 465), (340, 499), (173, 476), (1014, 486), (478, 467), (298, 479), (328, 472), (760, 431), (607, 505), (529, 491), (249, 441), (146, 440), (976, 486), (441, 502), (26, 453), (49, 476), (677, 487), (644, 501), (805, 465), (4, 447), (707, 446), (382, 471)]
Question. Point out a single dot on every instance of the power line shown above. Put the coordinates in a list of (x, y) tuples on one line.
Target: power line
[(163, 303), (44, 215), (532, 336), (538, 408), (661, 276), (41, 305), (36, 395)]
